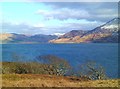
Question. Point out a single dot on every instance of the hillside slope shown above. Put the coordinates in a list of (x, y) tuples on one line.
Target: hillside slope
[(107, 33), (21, 38), (37, 80)]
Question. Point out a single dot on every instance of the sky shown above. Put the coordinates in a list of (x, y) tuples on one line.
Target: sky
[(54, 17)]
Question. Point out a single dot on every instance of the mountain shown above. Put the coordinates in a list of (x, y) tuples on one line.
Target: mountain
[(107, 33), (21, 38), (69, 37), (73, 33), (42, 38), (4, 37)]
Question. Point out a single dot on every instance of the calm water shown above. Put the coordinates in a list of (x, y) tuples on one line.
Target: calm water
[(104, 54)]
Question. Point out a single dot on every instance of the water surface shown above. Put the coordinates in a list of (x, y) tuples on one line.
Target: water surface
[(104, 54)]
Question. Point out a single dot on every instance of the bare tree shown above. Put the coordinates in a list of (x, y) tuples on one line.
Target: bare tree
[(57, 66), (92, 71)]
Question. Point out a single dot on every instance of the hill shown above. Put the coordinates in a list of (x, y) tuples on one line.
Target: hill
[(21, 38), (107, 33)]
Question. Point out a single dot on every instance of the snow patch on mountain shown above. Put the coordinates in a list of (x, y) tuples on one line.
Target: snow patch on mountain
[(110, 27)]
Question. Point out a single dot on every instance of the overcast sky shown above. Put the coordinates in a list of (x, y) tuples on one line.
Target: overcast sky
[(55, 17)]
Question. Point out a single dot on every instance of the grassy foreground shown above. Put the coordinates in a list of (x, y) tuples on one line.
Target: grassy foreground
[(39, 80)]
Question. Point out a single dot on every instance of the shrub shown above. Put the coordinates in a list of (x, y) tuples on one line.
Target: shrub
[(23, 68), (92, 71), (56, 65), (53, 65), (48, 64)]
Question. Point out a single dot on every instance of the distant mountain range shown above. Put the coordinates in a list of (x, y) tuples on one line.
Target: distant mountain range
[(20, 38), (106, 33)]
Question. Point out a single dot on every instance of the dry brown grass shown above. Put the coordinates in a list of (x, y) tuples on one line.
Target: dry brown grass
[(37, 80)]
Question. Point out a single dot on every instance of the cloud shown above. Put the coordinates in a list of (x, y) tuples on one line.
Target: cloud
[(19, 28), (14, 1), (40, 28), (83, 25), (60, 1), (62, 17), (83, 5), (14, 26), (66, 27), (100, 11), (64, 13)]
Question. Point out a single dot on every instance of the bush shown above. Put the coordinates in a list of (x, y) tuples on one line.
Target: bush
[(56, 65), (92, 71), (51, 65)]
